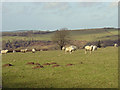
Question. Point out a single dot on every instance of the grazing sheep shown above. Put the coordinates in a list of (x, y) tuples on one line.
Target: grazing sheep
[(23, 50), (74, 47), (88, 48), (4, 51), (33, 50), (70, 49), (63, 48), (115, 45), (94, 48), (14, 51)]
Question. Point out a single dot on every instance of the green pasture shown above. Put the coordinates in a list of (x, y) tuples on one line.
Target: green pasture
[(94, 35), (96, 70)]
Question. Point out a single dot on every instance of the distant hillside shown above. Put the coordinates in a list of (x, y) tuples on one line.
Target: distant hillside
[(42, 39), (82, 34)]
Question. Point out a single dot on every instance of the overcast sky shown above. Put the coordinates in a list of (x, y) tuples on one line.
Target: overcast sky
[(53, 16)]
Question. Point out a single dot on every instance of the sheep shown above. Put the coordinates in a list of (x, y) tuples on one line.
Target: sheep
[(94, 48), (14, 51), (88, 48), (4, 51), (63, 48), (33, 50), (23, 50), (74, 47), (41, 50), (70, 49), (115, 45)]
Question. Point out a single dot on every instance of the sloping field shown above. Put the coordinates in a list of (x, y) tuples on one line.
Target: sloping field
[(95, 34), (96, 70), (87, 35)]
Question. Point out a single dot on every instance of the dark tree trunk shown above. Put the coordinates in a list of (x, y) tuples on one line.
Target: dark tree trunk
[(99, 44), (61, 47)]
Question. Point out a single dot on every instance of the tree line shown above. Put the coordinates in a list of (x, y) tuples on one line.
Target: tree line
[(22, 43), (25, 33)]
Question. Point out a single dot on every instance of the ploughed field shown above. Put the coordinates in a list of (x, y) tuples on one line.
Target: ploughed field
[(55, 69)]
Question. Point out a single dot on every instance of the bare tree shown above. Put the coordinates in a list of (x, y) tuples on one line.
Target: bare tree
[(61, 37)]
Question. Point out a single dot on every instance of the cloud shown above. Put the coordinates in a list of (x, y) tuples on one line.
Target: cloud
[(56, 5), (113, 4), (27, 8), (88, 4), (98, 4)]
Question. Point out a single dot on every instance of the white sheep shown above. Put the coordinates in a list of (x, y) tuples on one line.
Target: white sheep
[(14, 51), (74, 47), (41, 50), (115, 45), (70, 49), (23, 50), (4, 51), (94, 48), (63, 48), (33, 50), (88, 48)]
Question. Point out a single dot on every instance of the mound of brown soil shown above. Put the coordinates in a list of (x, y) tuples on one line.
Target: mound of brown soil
[(55, 65), (7, 65), (36, 64), (32, 63), (70, 64), (37, 67), (46, 64)]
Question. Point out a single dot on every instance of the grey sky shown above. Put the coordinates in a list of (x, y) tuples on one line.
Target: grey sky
[(52, 16)]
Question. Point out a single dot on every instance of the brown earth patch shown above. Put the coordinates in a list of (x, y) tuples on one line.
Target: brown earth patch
[(31, 63), (7, 65), (37, 67), (55, 65), (46, 64), (36, 64), (70, 64)]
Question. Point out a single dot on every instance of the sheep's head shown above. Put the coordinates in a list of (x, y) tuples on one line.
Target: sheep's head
[(26, 49), (6, 50), (63, 48), (91, 45)]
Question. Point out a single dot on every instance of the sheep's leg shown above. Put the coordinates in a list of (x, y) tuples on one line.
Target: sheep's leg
[(85, 51), (70, 51), (90, 52)]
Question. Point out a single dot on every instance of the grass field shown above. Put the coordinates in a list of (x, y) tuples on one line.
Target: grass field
[(87, 35), (98, 70)]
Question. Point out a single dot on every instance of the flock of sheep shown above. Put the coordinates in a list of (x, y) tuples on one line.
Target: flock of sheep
[(73, 48), (69, 49), (87, 48), (22, 50)]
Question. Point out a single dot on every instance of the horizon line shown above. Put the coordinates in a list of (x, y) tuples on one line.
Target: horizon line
[(57, 29)]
